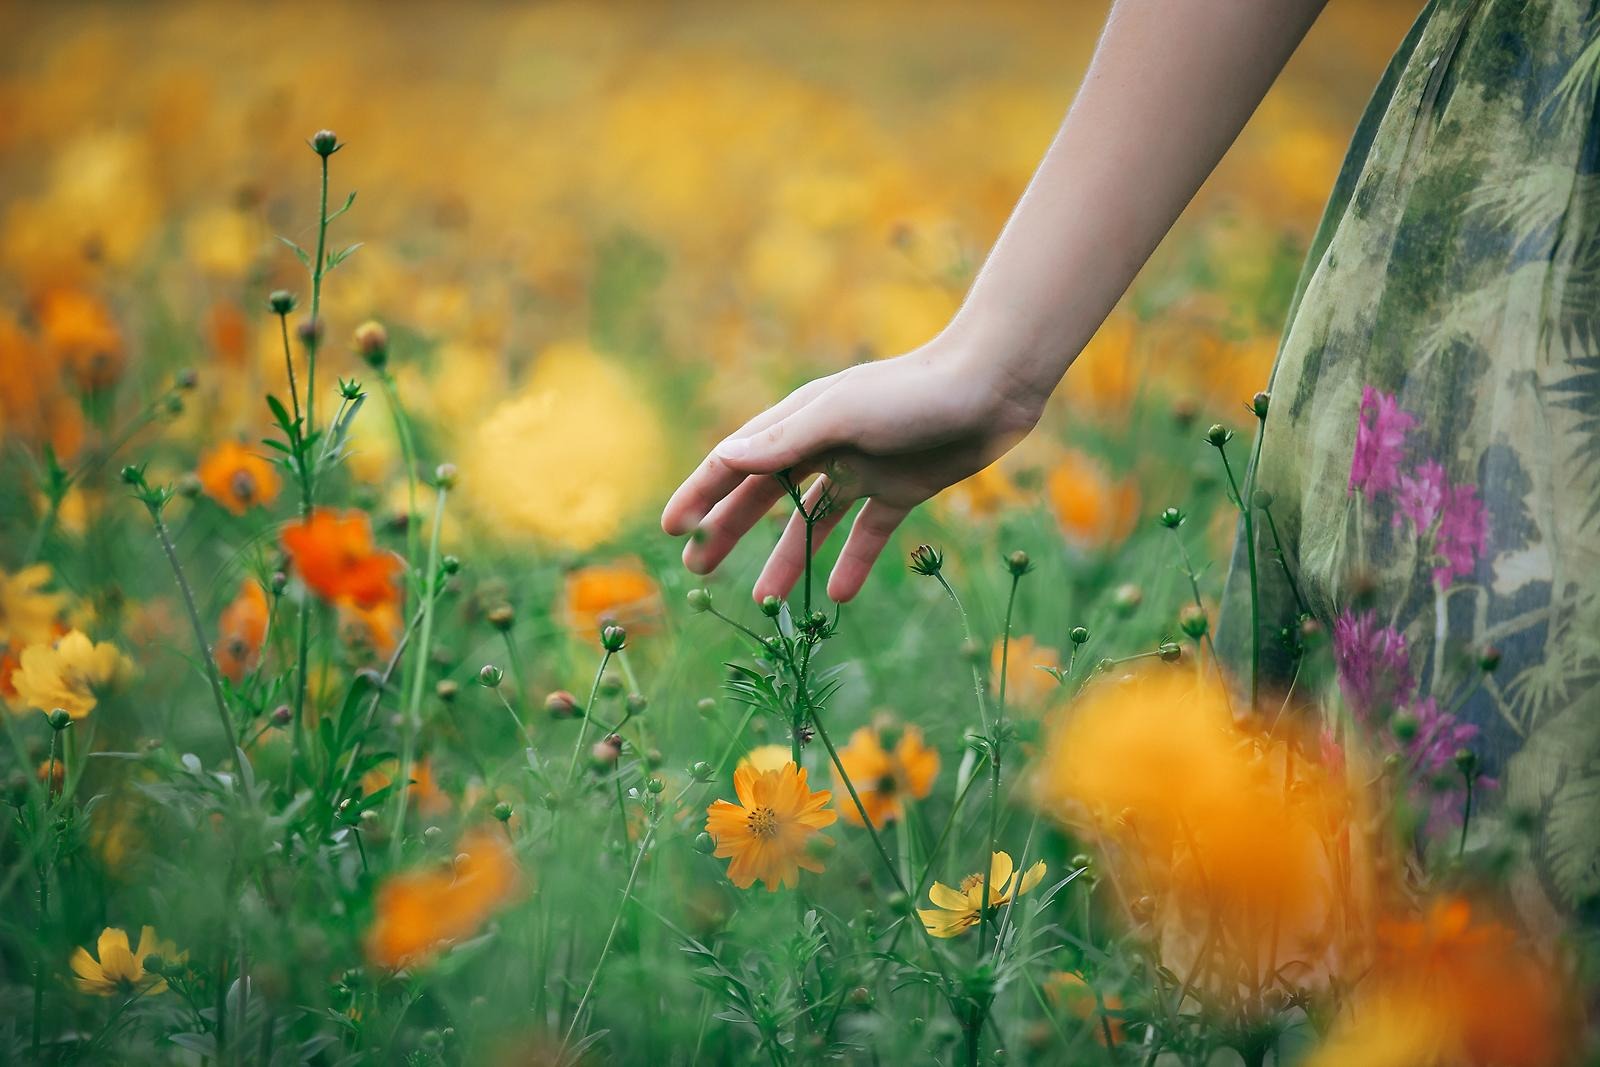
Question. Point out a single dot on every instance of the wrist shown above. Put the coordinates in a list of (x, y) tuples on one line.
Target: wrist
[(999, 368)]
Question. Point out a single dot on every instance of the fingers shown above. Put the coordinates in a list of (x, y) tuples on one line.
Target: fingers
[(714, 478), (807, 433), (874, 525), (788, 559), (730, 520)]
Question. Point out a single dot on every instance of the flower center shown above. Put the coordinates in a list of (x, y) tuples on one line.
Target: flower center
[(763, 822), (243, 486), (888, 784)]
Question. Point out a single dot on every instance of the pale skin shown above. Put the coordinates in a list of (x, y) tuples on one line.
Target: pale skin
[(1171, 84)]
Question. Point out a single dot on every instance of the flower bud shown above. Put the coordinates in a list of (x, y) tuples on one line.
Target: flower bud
[(433, 835), (1079, 634), (1172, 518), (706, 706), (637, 704), (1260, 403), (188, 485), (1488, 659), (281, 302), (699, 600), (278, 582), (927, 560), (1261, 499), (501, 617), (446, 690), (1192, 620), (309, 332), (1079, 861), (1170, 651), (562, 705), (132, 475), (655, 785), (613, 638), (282, 715), (350, 389), (1218, 435), (372, 344), (610, 684), (1404, 726), (704, 843), (325, 143), (1106, 666), (606, 751), (490, 676), (450, 564), (771, 606), (1018, 564), (186, 379), (1143, 909), (153, 964), (1127, 598), (502, 811), (444, 476), (702, 771), (59, 720), (1466, 762)]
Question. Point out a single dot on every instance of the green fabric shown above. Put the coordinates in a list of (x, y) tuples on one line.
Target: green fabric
[(1451, 300)]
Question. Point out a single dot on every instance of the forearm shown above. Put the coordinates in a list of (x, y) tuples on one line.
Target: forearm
[(1170, 85)]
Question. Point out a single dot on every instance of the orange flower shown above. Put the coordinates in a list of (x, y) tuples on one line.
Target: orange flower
[(424, 791), (1093, 510), (238, 478), (1451, 987), (241, 631), (610, 593), (81, 337), (884, 777), (416, 911), (335, 556), (1070, 991), (377, 627), (767, 833), (1026, 685)]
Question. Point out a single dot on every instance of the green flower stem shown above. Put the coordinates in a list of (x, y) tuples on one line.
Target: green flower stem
[(966, 629), (605, 950), (409, 720), (1283, 561), (408, 451), (1247, 510), (316, 299), (996, 745), (583, 722)]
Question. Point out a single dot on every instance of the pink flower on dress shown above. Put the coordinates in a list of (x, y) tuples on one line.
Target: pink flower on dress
[(1420, 498), (1375, 465), (1373, 662), (1463, 532)]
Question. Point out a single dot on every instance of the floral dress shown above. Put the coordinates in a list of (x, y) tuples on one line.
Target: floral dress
[(1432, 449)]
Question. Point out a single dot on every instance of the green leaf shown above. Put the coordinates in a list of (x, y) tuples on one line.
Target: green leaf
[(300, 253), (336, 258), (351, 199)]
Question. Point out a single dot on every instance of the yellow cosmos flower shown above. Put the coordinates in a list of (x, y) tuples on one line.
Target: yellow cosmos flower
[(765, 758), (955, 911), (119, 970), (885, 776), (27, 613), (767, 833), (68, 674)]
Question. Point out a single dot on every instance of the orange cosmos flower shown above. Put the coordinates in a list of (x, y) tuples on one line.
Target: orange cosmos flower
[(1026, 685), (1093, 509), (884, 777), (610, 593), (416, 911), (334, 554), (767, 833), (241, 631), (81, 336), (238, 478), (424, 791), (1070, 991), (376, 627)]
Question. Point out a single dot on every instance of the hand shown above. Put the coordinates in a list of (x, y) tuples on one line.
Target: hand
[(894, 432)]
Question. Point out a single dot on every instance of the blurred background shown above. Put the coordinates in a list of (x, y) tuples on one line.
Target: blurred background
[(600, 233)]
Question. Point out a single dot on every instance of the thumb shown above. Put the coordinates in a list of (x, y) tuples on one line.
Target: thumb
[(787, 443)]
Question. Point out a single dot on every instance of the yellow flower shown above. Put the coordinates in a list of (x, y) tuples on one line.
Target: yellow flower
[(955, 911), (68, 673), (885, 777), (27, 613), (1027, 686), (767, 833), (765, 758), (570, 458), (119, 970)]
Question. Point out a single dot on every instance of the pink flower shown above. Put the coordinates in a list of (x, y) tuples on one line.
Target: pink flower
[(1439, 736), (1420, 498), (1463, 531), (1373, 662), (1375, 465)]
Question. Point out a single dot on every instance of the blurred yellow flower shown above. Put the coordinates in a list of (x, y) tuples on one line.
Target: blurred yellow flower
[(68, 673), (28, 614), (1070, 991), (573, 456), (884, 777), (768, 832), (766, 758), (956, 911), (117, 970)]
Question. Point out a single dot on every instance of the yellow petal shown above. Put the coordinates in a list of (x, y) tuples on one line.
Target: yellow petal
[(945, 897), (1000, 870), (85, 967), (116, 959), (1032, 878)]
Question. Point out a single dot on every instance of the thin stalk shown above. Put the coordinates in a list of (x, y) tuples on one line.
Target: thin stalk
[(316, 300), (1248, 511), (588, 709), (995, 746), (605, 950), (409, 719), (408, 452)]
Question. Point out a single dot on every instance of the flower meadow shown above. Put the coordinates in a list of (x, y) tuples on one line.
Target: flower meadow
[(357, 712)]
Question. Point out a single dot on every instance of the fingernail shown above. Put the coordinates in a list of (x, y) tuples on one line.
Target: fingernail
[(734, 448)]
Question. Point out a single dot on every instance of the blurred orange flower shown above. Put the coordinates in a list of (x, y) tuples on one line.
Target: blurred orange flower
[(424, 791), (80, 335), (1092, 509), (417, 910), (604, 593), (884, 777), (238, 478), (377, 627), (1026, 685), (767, 833), (334, 554), (1070, 991), (241, 630)]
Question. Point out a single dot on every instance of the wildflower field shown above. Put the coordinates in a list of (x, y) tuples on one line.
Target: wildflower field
[(357, 710)]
